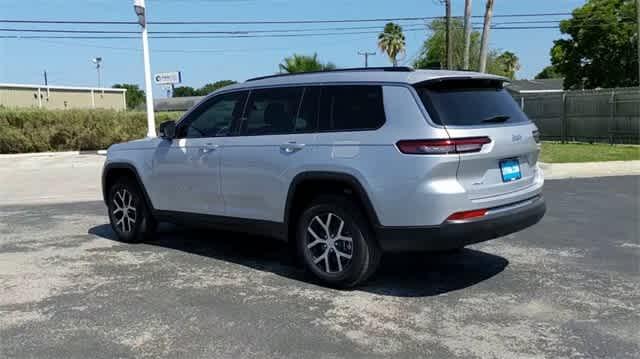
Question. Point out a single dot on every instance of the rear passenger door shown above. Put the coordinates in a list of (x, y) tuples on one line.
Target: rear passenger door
[(272, 141)]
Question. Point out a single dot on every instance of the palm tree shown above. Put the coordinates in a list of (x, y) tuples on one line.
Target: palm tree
[(304, 63), (391, 40), (510, 62), (484, 43)]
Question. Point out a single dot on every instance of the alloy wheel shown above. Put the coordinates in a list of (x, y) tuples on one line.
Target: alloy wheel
[(124, 210), (329, 243)]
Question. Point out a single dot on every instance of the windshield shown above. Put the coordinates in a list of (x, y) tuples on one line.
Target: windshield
[(469, 103)]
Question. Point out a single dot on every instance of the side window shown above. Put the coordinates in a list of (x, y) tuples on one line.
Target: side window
[(307, 119), (348, 108), (272, 111), (215, 117)]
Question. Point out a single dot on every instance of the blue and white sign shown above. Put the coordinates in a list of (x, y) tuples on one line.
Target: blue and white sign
[(165, 78)]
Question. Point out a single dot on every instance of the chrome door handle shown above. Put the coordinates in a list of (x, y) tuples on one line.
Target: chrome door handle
[(209, 147), (291, 147)]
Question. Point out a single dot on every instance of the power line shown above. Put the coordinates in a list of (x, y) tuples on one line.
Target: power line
[(192, 32), (267, 22), (204, 50), (255, 33), (186, 36)]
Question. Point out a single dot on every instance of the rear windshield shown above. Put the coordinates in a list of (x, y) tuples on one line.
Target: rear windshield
[(469, 103)]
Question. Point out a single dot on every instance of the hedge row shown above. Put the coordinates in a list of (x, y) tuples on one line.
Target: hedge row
[(36, 130)]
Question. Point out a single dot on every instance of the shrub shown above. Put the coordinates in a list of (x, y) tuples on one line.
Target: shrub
[(37, 130)]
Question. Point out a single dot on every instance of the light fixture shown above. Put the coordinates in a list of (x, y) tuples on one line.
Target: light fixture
[(138, 6)]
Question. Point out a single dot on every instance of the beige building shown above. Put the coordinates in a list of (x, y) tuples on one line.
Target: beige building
[(61, 97)]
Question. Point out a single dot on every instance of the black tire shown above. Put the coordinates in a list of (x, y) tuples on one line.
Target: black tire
[(363, 249), (141, 224)]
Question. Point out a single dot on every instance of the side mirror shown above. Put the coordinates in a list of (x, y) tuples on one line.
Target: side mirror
[(168, 130)]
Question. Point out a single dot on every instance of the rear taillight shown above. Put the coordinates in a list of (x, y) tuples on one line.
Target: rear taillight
[(458, 216), (536, 136), (440, 147)]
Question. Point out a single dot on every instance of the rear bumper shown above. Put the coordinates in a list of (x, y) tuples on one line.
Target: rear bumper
[(498, 222)]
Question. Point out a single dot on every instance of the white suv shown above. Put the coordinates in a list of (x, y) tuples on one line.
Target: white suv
[(344, 164)]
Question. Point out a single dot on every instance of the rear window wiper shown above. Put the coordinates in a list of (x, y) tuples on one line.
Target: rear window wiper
[(497, 119)]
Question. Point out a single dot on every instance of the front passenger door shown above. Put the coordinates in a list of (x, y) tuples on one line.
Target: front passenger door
[(186, 170)]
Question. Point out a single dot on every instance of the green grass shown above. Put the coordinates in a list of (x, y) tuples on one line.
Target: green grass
[(553, 152)]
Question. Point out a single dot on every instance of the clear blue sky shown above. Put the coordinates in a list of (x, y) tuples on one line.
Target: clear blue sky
[(68, 61)]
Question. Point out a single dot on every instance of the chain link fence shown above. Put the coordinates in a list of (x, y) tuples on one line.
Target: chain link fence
[(609, 115)]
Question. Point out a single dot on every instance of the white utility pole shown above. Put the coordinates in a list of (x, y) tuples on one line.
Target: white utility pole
[(467, 34), (484, 46), (139, 7)]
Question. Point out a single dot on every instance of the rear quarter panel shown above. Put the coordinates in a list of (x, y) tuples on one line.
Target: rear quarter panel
[(401, 188)]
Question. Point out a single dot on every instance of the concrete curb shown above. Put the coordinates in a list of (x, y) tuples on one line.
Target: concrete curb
[(551, 171), (554, 171), (53, 154)]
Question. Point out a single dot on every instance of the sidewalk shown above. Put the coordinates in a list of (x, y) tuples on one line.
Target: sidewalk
[(52, 177), (71, 176), (553, 171)]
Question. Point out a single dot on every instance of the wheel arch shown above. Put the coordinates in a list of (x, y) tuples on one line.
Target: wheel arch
[(113, 171), (335, 182)]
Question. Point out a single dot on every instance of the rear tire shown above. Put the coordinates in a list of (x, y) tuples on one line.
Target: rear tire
[(335, 242), (130, 218)]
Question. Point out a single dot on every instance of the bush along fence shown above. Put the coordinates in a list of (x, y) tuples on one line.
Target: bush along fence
[(35, 130), (608, 115)]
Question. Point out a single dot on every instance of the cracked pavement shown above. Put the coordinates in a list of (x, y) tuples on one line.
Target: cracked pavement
[(568, 287)]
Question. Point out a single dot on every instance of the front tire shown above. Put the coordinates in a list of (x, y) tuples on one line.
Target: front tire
[(335, 242), (130, 218)]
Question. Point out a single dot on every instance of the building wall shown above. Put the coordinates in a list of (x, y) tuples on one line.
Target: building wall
[(18, 97), (57, 98)]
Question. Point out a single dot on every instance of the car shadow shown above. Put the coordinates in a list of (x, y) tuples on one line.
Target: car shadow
[(400, 275)]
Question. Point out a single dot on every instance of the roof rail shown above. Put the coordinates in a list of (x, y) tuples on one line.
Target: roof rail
[(386, 69)]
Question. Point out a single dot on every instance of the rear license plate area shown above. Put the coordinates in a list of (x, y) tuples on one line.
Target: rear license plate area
[(510, 170)]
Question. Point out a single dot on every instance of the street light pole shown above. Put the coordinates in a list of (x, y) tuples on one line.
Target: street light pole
[(97, 61), (139, 8)]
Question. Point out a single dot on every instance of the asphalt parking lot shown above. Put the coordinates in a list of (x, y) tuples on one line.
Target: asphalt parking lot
[(568, 287)]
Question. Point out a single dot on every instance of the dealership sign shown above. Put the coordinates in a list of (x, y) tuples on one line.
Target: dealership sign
[(164, 78)]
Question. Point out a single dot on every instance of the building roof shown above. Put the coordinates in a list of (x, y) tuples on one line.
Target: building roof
[(56, 87), (536, 86)]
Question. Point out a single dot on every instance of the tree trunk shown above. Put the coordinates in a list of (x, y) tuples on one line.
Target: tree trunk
[(449, 42), (467, 33), (484, 47)]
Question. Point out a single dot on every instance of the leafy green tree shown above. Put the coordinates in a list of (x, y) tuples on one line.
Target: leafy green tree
[(549, 72), (434, 50), (185, 91), (304, 63), (433, 53), (599, 47), (209, 88), (134, 95), (391, 40)]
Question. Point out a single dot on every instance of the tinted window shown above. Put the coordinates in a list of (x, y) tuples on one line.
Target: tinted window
[(307, 119), (215, 117), (272, 111), (470, 103), (352, 108)]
